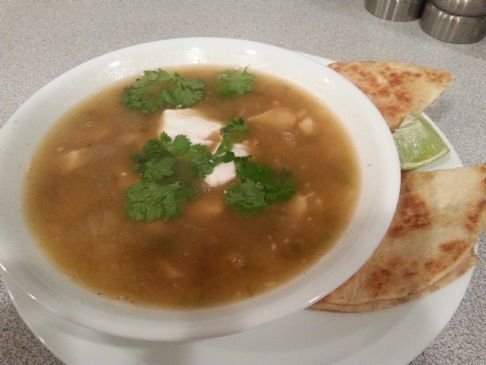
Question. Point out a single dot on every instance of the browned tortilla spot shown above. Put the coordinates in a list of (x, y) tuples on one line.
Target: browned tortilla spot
[(413, 214)]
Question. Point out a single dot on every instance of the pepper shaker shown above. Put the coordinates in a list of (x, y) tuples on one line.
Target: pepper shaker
[(453, 28)]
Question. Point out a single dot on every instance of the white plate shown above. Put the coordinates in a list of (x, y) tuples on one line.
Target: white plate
[(391, 336)]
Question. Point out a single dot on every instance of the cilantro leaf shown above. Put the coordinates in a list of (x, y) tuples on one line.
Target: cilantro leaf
[(161, 89), (156, 170), (201, 159), (233, 131), (246, 197), (278, 184), (259, 187), (180, 145), (148, 201), (197, 154), (234, 128), (233, 83), (280, 188), (138, 162), (152, 149)]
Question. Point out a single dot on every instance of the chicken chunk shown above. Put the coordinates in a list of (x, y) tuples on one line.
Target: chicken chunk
[(279, 117), (307, 125)]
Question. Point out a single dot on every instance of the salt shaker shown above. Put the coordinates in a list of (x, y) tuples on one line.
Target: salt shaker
[(396, 10)]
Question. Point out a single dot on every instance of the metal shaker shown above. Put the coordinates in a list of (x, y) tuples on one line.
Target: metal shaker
[(453, 28), (462, 7), (396, 10)]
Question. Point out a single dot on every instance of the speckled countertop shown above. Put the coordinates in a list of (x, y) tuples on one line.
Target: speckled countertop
[(41, 40)]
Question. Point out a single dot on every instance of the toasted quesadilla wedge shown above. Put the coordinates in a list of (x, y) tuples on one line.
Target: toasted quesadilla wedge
[(462, 267), (396, 88), (430, 241)]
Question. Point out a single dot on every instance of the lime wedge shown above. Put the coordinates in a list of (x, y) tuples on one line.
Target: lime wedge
[(417, 142)]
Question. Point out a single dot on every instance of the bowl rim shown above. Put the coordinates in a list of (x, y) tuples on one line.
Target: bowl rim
[(115, 318)]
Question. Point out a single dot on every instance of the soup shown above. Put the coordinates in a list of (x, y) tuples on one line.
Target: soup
[(223, 243)]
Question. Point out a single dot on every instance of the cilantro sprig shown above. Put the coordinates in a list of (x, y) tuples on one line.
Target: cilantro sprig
[(161, 89), (247, 196), (168, 169), (232, 83), (259, 186), (148, 201), (232, 132)]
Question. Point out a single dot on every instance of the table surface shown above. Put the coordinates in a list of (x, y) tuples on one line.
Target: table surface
[(41, 40)]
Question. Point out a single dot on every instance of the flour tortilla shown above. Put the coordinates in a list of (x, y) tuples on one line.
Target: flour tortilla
[(396, 88), (430, 242), (462, 267)]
